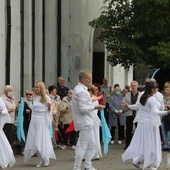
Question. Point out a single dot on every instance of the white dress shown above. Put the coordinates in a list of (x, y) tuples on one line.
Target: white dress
[(38, 139), (145, 146), (97, 153), (6, 154)]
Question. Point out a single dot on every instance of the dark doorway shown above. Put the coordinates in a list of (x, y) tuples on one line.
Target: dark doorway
[(98, 67), (98, 58)]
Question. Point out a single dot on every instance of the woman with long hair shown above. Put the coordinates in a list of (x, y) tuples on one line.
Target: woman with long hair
[(38, 139), (97, 153), (145, 146)]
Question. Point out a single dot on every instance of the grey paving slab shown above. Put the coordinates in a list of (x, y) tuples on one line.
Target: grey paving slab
[(65, 160)]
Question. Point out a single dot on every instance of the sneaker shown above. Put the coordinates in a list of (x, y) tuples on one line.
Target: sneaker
[(40, 164), (46, 163), (119, 142), (112, 142), (63, 147), (73, 147), (137, 165)]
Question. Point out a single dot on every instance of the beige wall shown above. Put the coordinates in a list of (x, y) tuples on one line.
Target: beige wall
[(76, 43)]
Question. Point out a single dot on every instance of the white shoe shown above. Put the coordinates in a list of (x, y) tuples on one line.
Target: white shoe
[(112, 142), (63, 147), (93, 168), (151, 168), (119, 142), (46, 163), (96, 157), (40, 164)]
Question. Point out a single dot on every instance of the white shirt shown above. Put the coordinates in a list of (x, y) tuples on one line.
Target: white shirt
[(160, 105), (150, 112), (82, 107)]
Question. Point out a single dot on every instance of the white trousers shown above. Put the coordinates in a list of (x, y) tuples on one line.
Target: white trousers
[(84, 147)]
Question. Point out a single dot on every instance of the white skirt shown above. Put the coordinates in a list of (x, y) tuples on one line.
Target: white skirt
[(96, 153), (38, 140), (145, 146), (6, 154)]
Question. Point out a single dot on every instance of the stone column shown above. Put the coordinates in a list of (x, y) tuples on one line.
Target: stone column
[(15, 47), (27, 45), (51, 42), (38, 40), (2, 44)]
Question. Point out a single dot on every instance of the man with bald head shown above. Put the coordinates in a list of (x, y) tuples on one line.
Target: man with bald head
[(62, 90)]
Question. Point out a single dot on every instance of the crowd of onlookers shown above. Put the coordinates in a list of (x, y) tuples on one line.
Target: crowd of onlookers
[(117, 117)]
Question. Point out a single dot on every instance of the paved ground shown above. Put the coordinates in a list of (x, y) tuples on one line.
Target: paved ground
[(65, 159)]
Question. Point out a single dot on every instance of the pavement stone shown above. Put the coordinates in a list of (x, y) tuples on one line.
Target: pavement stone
[(65, 159)]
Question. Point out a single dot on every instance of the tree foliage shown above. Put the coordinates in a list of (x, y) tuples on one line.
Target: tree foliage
[(136, 31)]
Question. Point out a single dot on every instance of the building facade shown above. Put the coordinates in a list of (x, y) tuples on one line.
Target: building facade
[(41, 40)]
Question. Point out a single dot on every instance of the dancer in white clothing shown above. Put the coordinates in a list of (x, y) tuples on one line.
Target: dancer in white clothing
[(83, 120), (97, 150), (38, 139), (145, 146), (6, 154)]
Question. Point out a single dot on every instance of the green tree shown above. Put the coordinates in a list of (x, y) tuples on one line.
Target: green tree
[(136, 31)]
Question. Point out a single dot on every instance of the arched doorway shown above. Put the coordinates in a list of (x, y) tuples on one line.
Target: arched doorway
[(98, 58)]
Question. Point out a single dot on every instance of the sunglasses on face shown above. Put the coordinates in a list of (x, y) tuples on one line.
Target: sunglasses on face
[(28, 94)]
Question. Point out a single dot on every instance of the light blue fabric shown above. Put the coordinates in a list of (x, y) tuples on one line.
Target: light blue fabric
[(20, 120), (153, 75), (50, 128), (106, 136)]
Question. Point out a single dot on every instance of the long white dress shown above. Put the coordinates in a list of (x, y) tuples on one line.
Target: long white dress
[(6, 154), (145, 146), (97, 153), (38, 139)]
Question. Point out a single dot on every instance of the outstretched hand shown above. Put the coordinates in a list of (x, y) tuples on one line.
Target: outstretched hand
[(125, 105)]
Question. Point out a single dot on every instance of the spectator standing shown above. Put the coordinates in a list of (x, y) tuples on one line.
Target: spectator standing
[(66, 114), (57, 101), (99, 94), (83, 121), (116, 115), (106, 91), (126, 90), (130, 98), (61, 89), (55, 112), (165, 124), (10, 126), (38, 139), (9, 100), (26, 115)]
